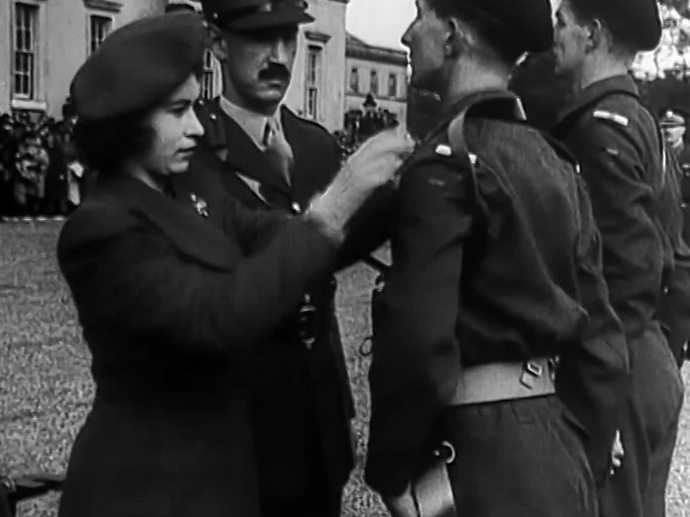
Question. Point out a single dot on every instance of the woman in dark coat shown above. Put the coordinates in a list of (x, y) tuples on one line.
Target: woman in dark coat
[(173, 290)]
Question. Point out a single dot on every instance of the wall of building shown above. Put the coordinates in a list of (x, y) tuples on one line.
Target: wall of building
[(5, 57), (327, 32), (62, 44)]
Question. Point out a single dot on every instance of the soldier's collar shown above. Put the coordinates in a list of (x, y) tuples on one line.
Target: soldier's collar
[(594, 92)]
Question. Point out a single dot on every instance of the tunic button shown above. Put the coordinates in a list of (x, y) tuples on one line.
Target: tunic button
[(665, 290), (296, 208), (213, 117), (683, 206)]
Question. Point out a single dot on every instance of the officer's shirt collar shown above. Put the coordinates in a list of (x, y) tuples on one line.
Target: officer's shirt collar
[(254, 124), (592, 93)]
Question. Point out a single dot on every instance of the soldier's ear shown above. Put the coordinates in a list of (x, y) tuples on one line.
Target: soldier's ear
[(459, 37), (597, 36), (217, 43)]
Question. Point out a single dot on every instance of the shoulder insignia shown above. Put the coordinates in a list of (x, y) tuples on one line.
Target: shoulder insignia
[(613, 117), (444, 150)]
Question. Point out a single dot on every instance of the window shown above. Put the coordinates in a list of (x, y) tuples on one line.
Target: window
[(374, 85), (99, 28), (392, 85), (208, 79), (25, 45), (354, 80), (313, 82)]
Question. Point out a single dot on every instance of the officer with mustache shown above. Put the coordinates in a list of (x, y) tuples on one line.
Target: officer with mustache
[(259, 152)]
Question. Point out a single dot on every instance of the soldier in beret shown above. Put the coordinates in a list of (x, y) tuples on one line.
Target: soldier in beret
[(496, 262), (177, 291), (620, 147), (259, 152)]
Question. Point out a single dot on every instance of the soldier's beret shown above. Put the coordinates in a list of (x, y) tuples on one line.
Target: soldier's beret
[(529, 23), (671, 119), (249, 15), (636, 23), (138, 66)]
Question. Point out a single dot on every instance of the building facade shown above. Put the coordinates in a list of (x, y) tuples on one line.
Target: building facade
[(47, 40), (377, 70)]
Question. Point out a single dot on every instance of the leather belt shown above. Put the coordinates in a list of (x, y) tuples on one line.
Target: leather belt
[(504, 381)]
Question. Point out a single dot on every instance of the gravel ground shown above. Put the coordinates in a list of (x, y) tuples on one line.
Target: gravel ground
[(45, 386)]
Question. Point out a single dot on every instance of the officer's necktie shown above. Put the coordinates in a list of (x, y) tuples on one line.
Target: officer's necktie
[(277, 148)]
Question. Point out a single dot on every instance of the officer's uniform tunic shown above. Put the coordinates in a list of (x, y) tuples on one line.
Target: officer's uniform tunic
[(300, 403), (485, 270), (617, 142)]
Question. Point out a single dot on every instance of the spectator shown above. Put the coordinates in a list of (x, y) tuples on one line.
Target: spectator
[(33, 165)]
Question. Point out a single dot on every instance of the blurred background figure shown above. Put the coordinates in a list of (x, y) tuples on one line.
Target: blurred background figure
[(35, 152)]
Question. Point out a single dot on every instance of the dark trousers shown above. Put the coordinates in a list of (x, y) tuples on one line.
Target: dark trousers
[(523, 457), (649, 430)]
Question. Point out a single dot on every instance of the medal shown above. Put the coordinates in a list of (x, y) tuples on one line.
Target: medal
[(199, 205)]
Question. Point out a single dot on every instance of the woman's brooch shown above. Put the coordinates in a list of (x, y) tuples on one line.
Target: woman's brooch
[(199, 205)]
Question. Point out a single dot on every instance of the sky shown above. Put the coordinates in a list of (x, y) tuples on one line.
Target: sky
[(380, 22)]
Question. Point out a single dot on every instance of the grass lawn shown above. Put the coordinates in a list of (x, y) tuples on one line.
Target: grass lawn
[(45, 385)]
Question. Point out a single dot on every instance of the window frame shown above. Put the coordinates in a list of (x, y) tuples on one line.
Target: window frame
[(374, 87), (354, 80), (313, 82), (91, 16), (34, 52), (393, 85)]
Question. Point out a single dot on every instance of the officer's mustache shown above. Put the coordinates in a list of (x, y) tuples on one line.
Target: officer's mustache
[(275, 72)]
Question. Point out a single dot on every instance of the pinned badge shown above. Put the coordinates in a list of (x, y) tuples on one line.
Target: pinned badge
[(199, 205), (444, 150)]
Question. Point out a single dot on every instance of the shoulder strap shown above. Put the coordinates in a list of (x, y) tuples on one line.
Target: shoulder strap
[(503, 106)]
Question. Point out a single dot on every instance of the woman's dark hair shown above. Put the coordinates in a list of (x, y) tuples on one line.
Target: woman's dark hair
[(105, 145), (496, 34)]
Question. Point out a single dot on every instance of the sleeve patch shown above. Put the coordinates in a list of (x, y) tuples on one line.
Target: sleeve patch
[(612, 117)]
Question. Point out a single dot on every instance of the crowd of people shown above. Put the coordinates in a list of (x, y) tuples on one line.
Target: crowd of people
[(39, 171), (360, 125), (40, 175)]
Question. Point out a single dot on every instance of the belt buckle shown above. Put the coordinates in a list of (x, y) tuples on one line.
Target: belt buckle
[(530, 372)]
